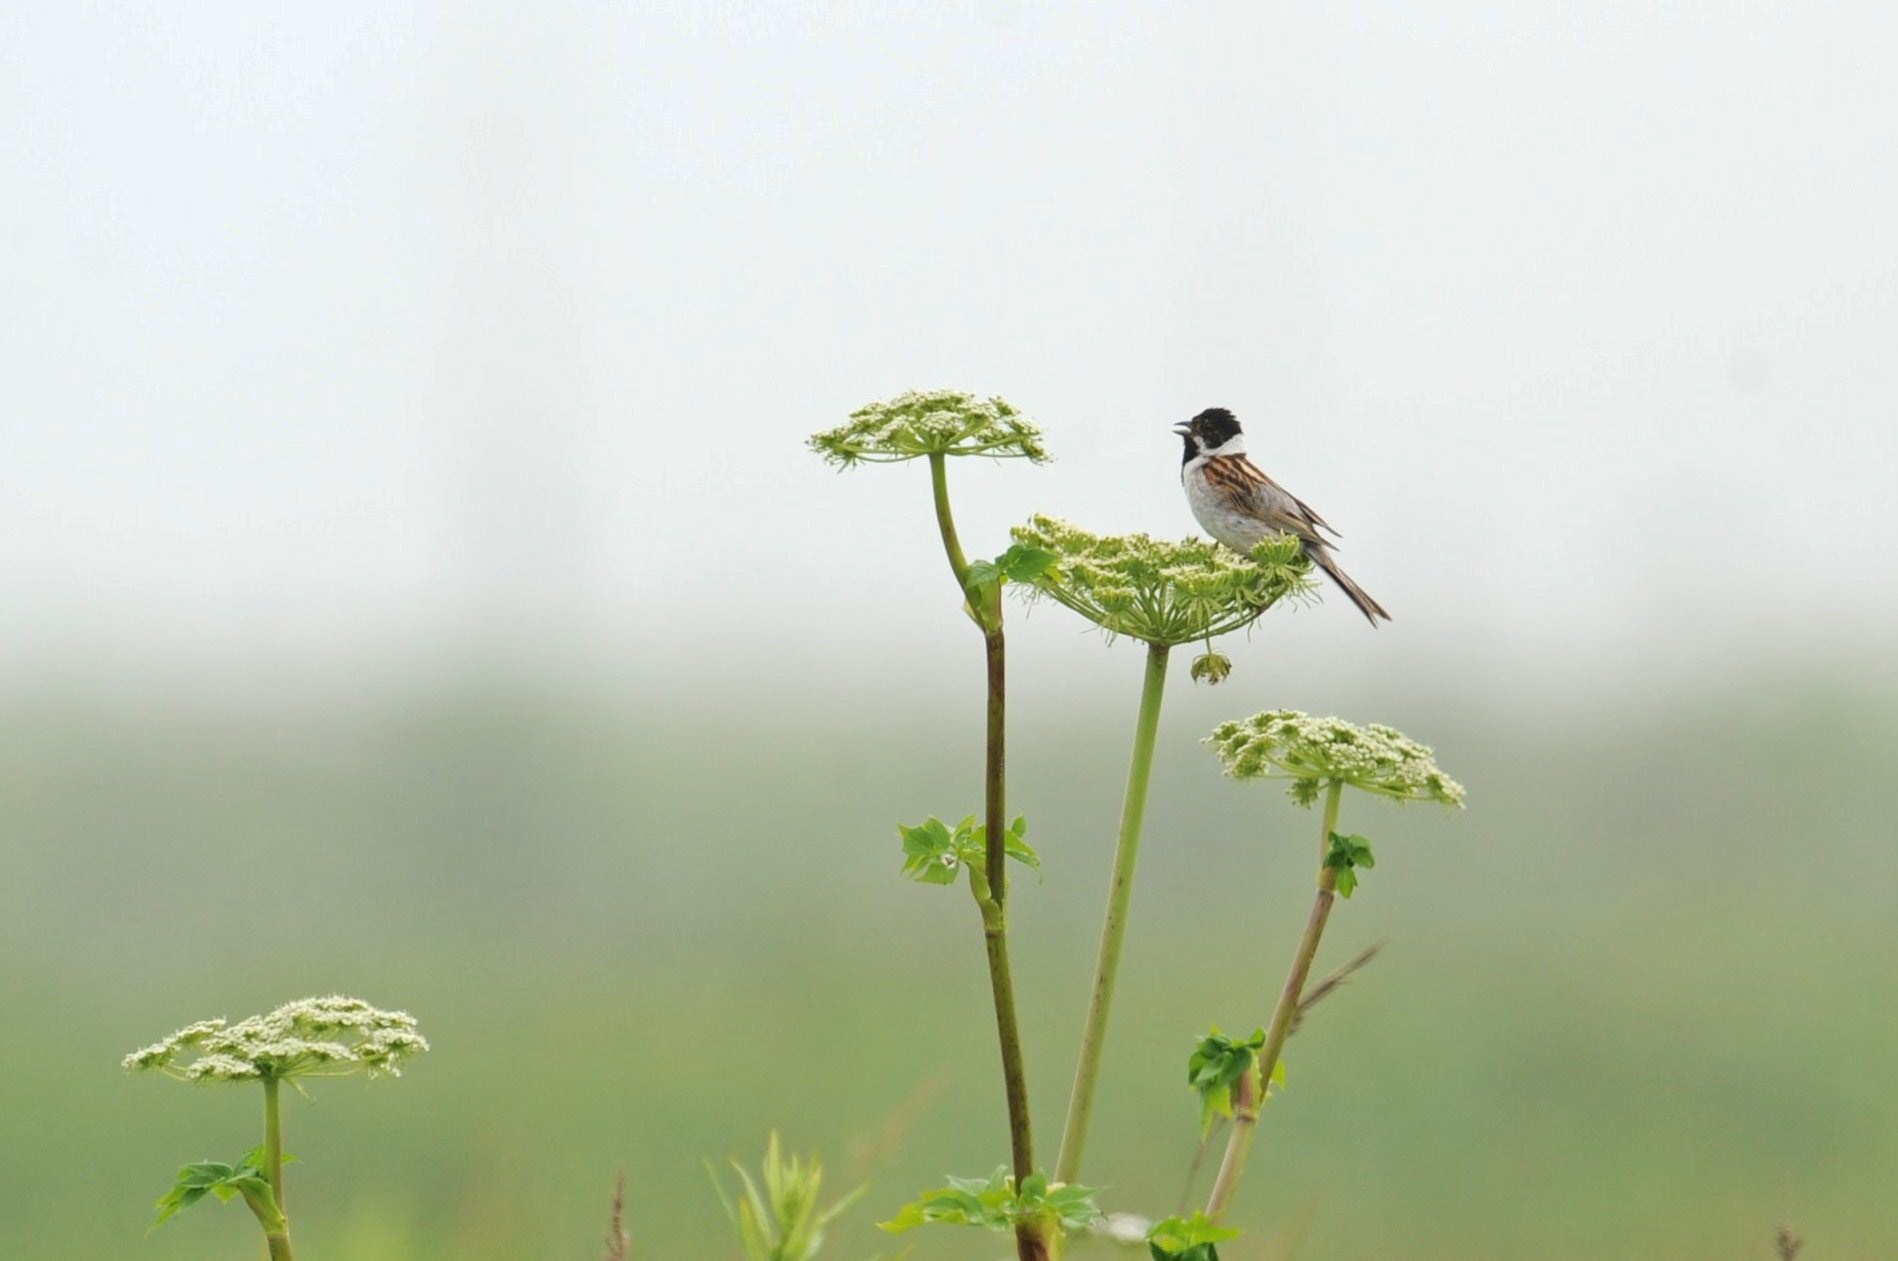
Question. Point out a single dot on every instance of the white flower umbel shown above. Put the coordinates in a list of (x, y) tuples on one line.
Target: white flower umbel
[(312, 1037), (1313, 752), (931, 422)]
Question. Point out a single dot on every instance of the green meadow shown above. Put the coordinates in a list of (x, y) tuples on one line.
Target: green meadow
[(1640, 999)]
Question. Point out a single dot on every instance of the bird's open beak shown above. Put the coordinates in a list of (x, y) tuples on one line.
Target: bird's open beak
[(1183, 429)]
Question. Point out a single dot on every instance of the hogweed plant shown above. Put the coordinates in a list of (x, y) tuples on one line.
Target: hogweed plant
[(1319, 758), (1163, 594), (312, 1037), (937, 426)]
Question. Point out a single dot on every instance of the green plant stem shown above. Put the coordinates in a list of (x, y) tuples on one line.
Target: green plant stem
[(1114, 930), (991, 894), (945, 520), (1250, 1097), (272, 1215), (995, 913), (995, 767), (273, 1139)]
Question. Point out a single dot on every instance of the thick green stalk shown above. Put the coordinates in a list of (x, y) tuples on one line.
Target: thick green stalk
[(271, 1215), (1251, 1094), (1113, 932), (273, 1139), (991, 892)]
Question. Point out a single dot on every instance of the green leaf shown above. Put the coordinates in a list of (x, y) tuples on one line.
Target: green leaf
[(1187, 1238), (1216, 1067), (993, 1203), (983, 573), (1344, 855), (221, 1181), (1017, 848), (929, 852), (1022, 563)]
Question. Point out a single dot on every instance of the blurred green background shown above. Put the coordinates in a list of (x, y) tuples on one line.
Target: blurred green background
[(1639, 997)]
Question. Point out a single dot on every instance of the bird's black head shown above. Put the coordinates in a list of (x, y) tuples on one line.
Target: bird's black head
[(1208, 431)]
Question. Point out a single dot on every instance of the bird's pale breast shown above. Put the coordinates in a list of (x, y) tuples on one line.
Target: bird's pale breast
[(1238, 530)]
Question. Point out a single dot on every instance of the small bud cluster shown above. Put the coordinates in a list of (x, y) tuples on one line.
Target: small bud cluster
[(329, 1037), (1162, 592), (931, 422), (1313, 752)]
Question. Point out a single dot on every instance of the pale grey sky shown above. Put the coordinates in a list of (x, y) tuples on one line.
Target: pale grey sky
[(360, 329)]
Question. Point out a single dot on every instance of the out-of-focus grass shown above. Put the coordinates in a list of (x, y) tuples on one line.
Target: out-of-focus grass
[(1642, 998)]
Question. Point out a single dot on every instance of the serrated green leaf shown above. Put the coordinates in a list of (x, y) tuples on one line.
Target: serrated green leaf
[(221, 1181), (983, 573), (929, 852)]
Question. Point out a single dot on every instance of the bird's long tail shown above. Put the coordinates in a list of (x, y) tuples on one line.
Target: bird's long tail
[(1372, 610)]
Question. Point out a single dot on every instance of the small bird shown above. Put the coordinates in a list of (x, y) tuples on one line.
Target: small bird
[(1240, 506)]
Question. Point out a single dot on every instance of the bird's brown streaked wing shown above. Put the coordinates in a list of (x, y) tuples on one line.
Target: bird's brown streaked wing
[(1238, 481)]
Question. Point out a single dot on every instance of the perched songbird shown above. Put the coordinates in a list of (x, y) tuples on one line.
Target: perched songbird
[(1240, 506)]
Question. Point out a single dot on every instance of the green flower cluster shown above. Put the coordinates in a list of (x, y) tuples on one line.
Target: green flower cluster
[(1314, 752), (326, 1037), (931, 422), (1162, 592)]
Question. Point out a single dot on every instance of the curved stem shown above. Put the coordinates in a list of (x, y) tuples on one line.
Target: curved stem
[(1251, 1094), (1114, 930), (945, 522)]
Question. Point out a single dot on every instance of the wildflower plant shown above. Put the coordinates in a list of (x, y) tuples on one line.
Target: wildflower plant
[(312, 1037), (936, 426), (1317, 758), (1163, 594)]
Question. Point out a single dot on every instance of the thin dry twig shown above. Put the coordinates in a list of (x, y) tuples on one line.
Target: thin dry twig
[(1199, 1160), (1787, 1243), (619, 1244), (881, 1145), (1323, 990)]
